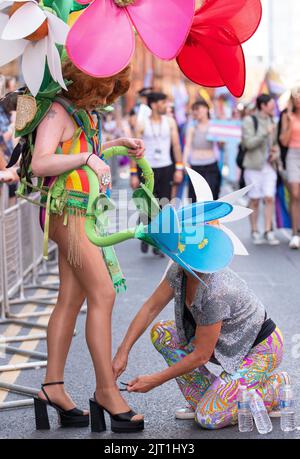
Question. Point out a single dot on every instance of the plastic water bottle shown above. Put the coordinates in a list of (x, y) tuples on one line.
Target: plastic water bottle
[(259, 412), (287, 409), (245, 419)]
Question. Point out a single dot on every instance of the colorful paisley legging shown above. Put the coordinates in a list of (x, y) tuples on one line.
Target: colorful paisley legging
[(214, 398)]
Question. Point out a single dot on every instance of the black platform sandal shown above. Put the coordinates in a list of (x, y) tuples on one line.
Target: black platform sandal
[(67, 418), (120, 423)]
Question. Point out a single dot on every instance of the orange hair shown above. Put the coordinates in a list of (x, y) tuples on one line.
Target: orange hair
[(89, 92)]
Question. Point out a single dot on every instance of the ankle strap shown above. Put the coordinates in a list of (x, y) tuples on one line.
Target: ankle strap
[(52, 383)]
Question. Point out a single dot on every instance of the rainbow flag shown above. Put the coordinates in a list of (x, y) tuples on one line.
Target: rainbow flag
[(282, 207)]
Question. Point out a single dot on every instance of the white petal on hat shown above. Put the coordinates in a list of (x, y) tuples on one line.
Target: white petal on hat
[(201, 187), (33, 65), (24, 21), (12, 50), (239, 248), (58, 29), (238, 213), (236, 195), (54, 63)]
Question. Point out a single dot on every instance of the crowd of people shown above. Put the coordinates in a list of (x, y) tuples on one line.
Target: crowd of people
[(175, 138), (270, 152), (7, 129)]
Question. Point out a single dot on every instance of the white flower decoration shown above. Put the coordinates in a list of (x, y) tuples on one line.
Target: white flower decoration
[(32, 32), (204, 193)]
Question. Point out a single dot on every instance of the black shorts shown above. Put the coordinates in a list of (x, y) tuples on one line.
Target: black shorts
[(212, 175), (163, 181), (12, 190)]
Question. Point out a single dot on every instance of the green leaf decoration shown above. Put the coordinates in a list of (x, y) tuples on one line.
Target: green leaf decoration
[(52, 90), (61, 7), (77, 7), (145, 202)]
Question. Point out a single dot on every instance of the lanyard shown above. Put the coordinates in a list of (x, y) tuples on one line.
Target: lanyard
[(158, 136)]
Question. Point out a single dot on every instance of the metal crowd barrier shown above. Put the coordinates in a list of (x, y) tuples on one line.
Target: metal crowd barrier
[(20, 263), (22, 269)]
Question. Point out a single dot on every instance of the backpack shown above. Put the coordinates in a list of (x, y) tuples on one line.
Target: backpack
[(242, 150), (24, 148)]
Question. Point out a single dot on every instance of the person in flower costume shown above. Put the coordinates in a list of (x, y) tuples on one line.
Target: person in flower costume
[(60, 144)]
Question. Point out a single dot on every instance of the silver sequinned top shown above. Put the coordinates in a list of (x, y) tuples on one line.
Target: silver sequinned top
[(227, 298)]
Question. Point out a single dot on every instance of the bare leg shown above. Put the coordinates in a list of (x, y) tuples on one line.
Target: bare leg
[(254, 205), (269, 212), (60, 331), (295, 205), (94, 280)]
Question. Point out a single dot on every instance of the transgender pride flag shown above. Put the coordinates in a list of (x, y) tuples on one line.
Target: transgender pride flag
[(225, 131)]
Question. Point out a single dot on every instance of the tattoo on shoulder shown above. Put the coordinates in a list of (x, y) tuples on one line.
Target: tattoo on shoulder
[(51, 113)]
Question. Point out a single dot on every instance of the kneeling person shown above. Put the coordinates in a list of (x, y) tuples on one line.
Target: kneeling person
[(221, 321)]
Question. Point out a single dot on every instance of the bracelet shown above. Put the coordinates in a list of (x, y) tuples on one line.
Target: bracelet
[(133, 171), (179, 166), (86, 163)]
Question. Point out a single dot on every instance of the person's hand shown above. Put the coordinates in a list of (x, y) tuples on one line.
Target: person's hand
[(143, 384), (119, 363), (178, 177), (134, 182), (9, 176), (289, 113), (271, 129), (136, 147), (101, 169), (274, 154)]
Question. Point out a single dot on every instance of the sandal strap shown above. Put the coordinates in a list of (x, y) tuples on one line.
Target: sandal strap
[(50, 384)]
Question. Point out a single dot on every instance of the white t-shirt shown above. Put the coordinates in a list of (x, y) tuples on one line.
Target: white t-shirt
[(157, 139), (143, 113)]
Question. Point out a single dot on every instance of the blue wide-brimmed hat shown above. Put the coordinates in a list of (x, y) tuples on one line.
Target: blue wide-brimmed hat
[(195, 236)]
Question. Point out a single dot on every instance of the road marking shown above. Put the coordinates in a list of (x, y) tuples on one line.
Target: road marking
[(12, 330)]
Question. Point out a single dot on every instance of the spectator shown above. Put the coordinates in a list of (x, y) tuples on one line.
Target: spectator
[(11, 84), (290, 138), (142, 109), (260, 162), (7, 110), (159, 132), (199, 152)]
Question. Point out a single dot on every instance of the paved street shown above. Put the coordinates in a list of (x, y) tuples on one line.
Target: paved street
[(274, 275)]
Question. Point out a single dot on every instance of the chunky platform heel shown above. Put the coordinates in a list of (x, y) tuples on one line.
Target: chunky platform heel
[(67, 418), (98, 423), (41, 415), (120, 423)]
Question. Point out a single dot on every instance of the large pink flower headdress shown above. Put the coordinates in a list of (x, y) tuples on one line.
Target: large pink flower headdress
[(213, 55), (102, 41)]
